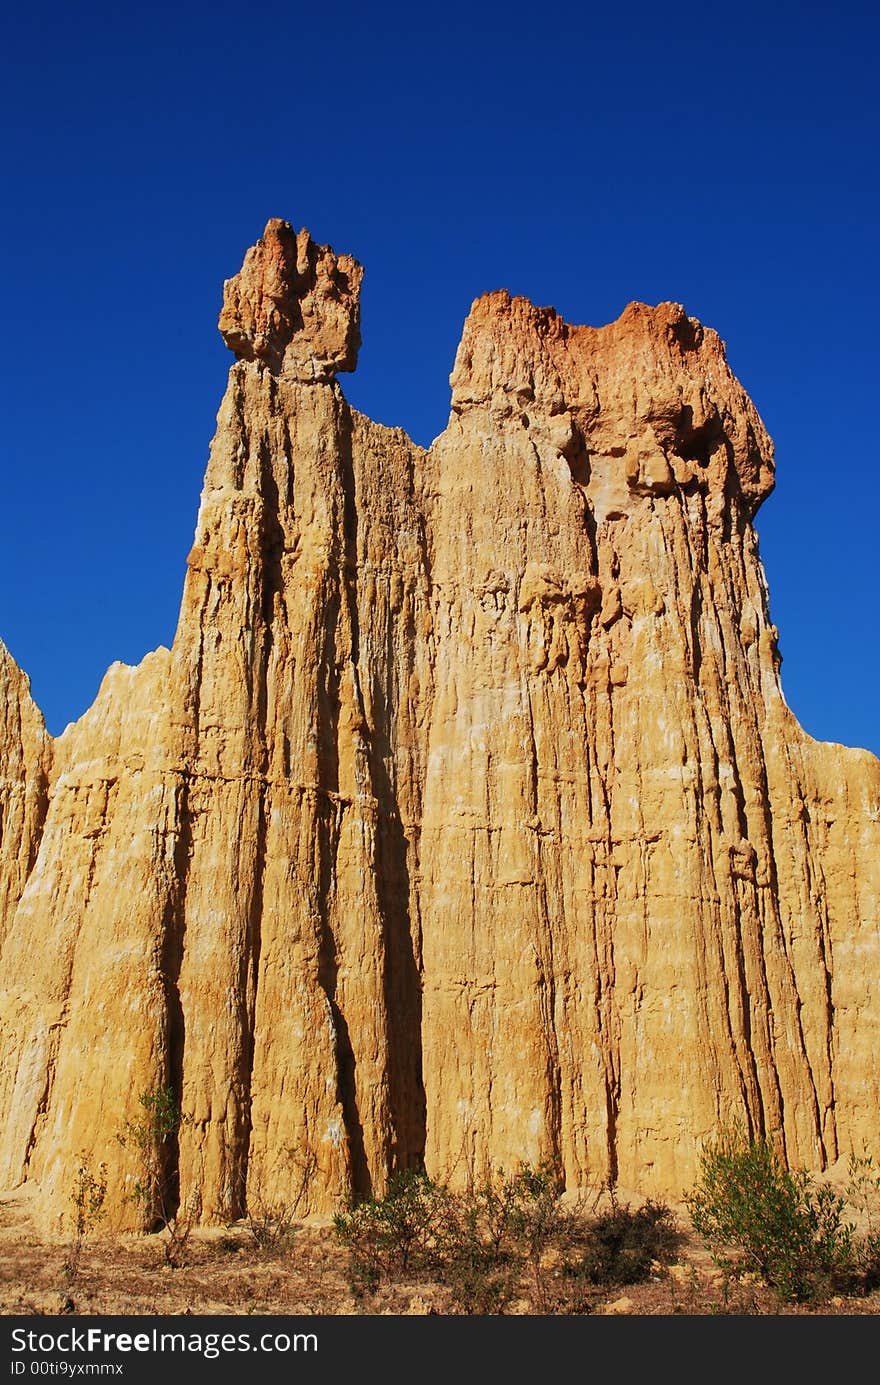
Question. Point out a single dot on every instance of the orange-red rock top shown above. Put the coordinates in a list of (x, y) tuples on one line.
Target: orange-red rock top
[(653, 384), (654, 379), (294, 305)]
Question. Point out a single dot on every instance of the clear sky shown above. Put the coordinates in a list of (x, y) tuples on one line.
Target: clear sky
[(724, 157)]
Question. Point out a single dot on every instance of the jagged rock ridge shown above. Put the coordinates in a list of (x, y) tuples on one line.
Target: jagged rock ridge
[(465, 820)]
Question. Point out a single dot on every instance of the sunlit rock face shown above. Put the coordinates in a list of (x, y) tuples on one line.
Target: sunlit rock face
[(465, 821)]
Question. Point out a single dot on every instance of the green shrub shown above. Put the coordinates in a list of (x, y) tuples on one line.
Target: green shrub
[(492, 1233), (624, 1245), (391, 1235), (863, 1192), (151, 1139), (87, 1202), (479, 1279), (776, 1220), (477, 1242), (507, 1237)]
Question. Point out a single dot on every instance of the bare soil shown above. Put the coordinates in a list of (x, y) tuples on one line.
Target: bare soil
[(224, 1272)]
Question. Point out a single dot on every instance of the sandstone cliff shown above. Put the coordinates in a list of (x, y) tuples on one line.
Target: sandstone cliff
[(465, 820), (25, 766)]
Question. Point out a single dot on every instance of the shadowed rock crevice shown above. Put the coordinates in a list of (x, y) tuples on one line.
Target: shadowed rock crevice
[(249, 988), (173, 943), (328, 970)]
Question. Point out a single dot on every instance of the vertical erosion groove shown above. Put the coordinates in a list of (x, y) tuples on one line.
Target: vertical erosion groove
[(173, 941), (250, 987), (330, 814), (330, 810), (269, 583), (401, 980), (545, 952)]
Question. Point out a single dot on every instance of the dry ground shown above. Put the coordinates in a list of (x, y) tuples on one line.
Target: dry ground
[(224, 1272)]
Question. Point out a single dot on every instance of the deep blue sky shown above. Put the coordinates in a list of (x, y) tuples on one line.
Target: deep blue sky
[(723, 157)]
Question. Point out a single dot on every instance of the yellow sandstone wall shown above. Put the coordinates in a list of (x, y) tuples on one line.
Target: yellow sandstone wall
[(465, 819)]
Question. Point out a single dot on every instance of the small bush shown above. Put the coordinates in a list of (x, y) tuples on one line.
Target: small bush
[(624, 1245), (480, 1280), (863, 1193), (270, 1222), (477, 1242), (391, 1235), (151, 1139), (177, 1230), (87, 1201), (776, 1220), (492, 1233)]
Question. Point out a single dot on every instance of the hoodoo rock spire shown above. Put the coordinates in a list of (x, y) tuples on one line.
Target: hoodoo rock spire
[(465, 822)]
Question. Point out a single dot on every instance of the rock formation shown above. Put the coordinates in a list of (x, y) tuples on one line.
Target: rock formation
[(465, 820), (25, 767)]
